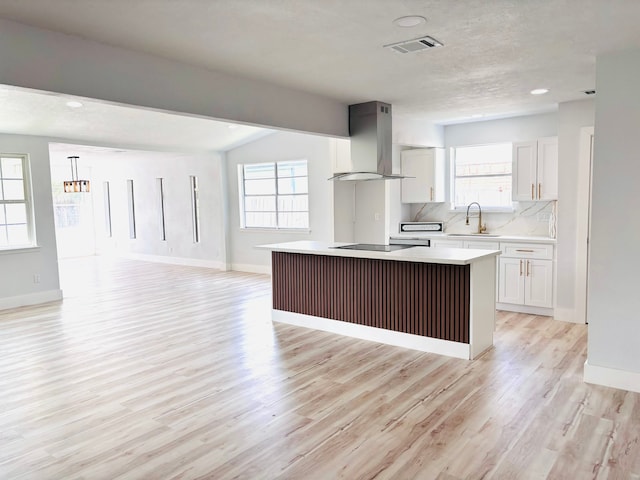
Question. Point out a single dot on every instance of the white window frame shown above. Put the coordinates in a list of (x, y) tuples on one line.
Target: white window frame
[(241, 191), (485, 207), (28, 202)]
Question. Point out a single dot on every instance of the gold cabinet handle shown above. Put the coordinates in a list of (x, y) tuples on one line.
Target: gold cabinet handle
[(539, 191), (520, 267), (532, 190), (432, 194), (528, 268), (524, 250)]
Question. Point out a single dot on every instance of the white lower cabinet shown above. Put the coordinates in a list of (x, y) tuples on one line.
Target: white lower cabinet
[(526, 275), (443, 243)]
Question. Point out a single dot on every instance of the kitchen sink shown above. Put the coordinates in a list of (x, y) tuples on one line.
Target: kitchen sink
[(488, 235)]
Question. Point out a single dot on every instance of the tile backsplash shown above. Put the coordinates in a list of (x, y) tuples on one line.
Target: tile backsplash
[(528, 218)]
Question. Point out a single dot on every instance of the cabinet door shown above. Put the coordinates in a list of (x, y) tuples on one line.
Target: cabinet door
[(524, 171), (547, 175), (340, 155), (538, 283), (511, 281), (419, 164)]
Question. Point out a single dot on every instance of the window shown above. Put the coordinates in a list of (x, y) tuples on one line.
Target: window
[(161, 219), (107, 209), (16, 227), (274, 195), (195, 208), (482, 174), (131, 207)]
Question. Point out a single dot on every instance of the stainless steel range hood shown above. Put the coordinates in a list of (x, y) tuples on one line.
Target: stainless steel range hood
[(370, 135)]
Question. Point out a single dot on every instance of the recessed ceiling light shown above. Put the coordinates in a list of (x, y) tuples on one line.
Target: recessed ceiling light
[(539, 91), (233, 126), (409, 21), (74, 104)]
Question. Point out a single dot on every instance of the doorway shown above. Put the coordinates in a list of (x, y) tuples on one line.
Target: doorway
[(73, 214)]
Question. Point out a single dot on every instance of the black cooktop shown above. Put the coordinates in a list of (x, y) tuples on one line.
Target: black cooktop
[(373, 247)]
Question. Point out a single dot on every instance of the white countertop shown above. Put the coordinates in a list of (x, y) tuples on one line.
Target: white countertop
[(451, 256), (483, 237)]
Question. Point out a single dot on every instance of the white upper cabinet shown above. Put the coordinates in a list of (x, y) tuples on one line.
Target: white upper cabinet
[(535, 170), (340, 155), (426, 167)]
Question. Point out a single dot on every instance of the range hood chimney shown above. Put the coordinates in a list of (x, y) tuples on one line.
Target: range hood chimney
[(370, 135)]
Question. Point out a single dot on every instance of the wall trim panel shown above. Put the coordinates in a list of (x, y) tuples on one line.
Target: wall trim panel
[(423, 299)]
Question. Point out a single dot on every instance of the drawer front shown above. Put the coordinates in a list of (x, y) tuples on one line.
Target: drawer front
[(482, 245), (447, 243), (527, 250)]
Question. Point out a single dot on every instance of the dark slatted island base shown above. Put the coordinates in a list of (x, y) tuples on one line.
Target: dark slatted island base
[(434, 300)]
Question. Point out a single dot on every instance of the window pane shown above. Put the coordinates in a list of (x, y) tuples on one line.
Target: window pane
[(3, 236), (18, 234), (260, 204), (260, 220), (260, 187), (13, 189), (294, 220), (296, 168), (494, 191), (11, 168), (293, 185), (260, 170), (16, 213), (484, 159), (293, 203), (2, 217), (483, 175)]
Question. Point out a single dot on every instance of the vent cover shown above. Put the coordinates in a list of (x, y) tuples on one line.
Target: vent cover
[(415, 45)]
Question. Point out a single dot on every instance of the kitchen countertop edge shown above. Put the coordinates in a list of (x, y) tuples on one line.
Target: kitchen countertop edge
[(451, 256)]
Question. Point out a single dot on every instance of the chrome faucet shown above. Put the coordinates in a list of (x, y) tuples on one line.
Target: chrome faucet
[(481, 227)]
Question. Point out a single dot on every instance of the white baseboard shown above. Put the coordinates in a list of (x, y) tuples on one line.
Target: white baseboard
[(512, 307), (380, 335), (611, 377), (189, 262), (566, 315), (30, 299), (249, 268)]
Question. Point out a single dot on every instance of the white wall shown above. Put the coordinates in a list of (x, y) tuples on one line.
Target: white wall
[(277, 147), (525, 219), (572, 117), (613, 299), (175, 168), (514, 129), (85, 68), (17, 269), (417, 133)]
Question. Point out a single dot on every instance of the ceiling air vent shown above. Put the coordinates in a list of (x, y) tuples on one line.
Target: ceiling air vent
[(415, 45)]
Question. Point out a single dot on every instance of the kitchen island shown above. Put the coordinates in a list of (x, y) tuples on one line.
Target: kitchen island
[(437, 300)]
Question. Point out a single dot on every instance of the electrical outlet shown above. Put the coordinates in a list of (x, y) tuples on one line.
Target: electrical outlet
[(543, 216), (376, 217), (36, 278)]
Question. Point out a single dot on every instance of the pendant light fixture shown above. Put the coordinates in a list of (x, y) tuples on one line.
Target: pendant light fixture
[(75, 185)]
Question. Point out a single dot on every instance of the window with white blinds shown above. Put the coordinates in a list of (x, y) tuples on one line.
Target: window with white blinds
[(274, 195)]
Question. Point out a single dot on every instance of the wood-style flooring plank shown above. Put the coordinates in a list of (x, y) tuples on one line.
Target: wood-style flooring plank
[(150, 371)]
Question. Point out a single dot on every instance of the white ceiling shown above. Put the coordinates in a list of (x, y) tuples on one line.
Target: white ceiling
[(495, 52)]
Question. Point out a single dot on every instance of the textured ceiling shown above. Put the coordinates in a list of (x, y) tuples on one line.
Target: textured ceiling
[(37, 113), (495, 51)]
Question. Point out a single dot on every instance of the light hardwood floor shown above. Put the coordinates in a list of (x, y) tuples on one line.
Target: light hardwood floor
[(159, 372)]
